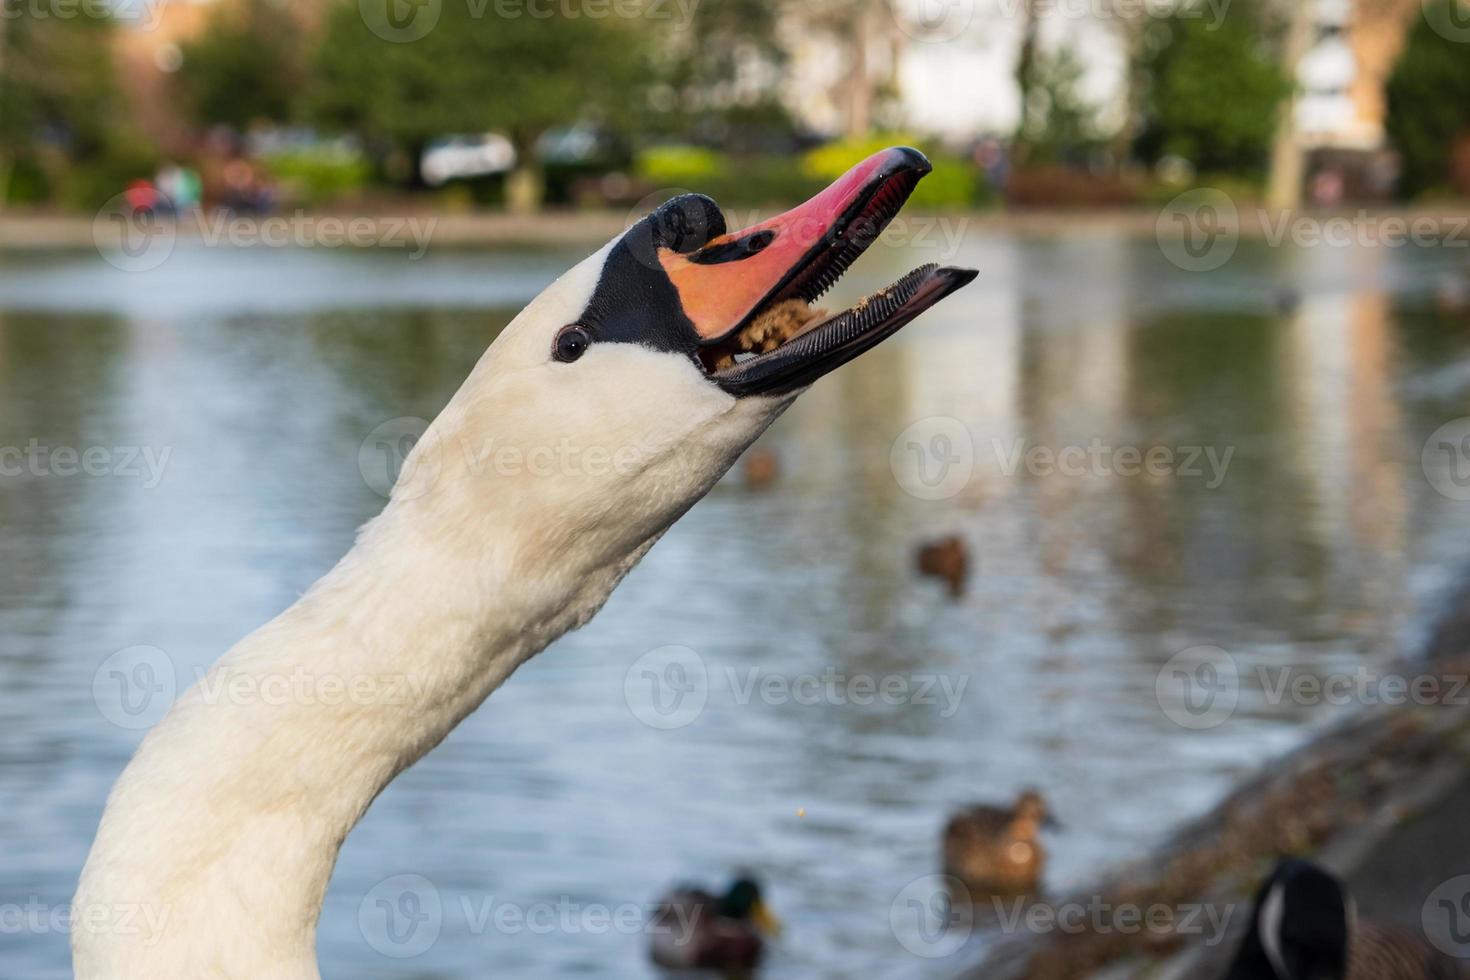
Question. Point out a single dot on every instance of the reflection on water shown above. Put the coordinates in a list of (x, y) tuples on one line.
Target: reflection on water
[(1310, 538)]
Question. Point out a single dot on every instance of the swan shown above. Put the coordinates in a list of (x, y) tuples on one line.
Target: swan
[(646, 370)]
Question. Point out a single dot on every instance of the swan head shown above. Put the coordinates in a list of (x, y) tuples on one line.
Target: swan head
[(630, 385)]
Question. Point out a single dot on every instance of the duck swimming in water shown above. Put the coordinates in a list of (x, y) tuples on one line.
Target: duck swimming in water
[(653, 361), (693, 929), (947, 559), (1304, 927), (993, 849)]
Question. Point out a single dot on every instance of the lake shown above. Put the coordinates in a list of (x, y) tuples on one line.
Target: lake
[(1153, 469)]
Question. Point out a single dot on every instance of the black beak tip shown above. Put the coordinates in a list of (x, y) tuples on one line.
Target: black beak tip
[(955, 277), (908, 158)]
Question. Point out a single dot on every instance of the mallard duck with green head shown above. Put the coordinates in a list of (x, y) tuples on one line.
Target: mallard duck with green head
[(695, 929)]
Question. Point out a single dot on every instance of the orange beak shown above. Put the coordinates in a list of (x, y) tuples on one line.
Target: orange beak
[(799, 253)]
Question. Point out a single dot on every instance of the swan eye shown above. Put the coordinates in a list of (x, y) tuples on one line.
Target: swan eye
[(571, 343)]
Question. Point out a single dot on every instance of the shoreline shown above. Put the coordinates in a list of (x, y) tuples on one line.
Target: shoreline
[(1380, 798), (40, 230)]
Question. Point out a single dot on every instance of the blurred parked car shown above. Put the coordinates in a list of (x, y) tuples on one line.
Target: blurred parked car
[(466, 156)]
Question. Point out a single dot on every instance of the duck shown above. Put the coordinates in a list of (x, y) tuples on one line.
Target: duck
[(947, 559), (638, 370), (762, 467), (1304, 927), (997, 849), (1452, 295), (695, 929)]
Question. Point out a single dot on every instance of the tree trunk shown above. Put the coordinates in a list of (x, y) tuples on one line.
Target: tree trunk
[(859, 81), (1025, 80), (525, 186), (1288, 156), (5, 156)]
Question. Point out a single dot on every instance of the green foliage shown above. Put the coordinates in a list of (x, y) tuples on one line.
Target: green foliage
[(1056, 122), (743, 182), (56, 79), (953, 184), (316, 176), (698, 69), (477, 71), (60, 110), (680, 166), (245, 67), (1213, 90), (1429, 99)]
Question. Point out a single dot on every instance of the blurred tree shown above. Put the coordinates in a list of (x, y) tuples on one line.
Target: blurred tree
[(1212, 90), (1026, 71), (866, 34), (1055, 121), (1429, 99), (246, 66), (59, 103), (514, 69), (720, 78), (1288, 159)]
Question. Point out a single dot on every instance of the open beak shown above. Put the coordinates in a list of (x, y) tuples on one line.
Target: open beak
[(748, 293), (765, 920)]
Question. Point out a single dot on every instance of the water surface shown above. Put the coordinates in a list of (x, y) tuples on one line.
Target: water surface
[(260, 373)]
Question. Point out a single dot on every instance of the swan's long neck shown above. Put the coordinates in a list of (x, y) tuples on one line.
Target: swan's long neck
[(217, 844)]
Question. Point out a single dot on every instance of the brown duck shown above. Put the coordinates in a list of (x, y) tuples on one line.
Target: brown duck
[(947, 559), (998, 849)]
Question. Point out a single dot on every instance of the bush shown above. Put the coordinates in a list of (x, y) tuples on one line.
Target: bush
[(1429, 101), (746, 181), (953, 184), (315, 176), (776, 180), (680, 165)]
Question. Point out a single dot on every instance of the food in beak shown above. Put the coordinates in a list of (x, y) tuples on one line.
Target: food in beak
[(754, 325), (770, 329)]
